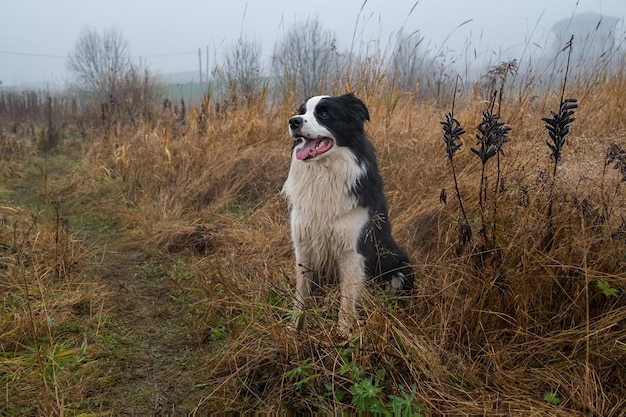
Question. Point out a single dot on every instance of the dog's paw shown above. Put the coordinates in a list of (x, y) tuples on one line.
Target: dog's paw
[(345, 326), (343, 332), (292, 327), (296, 320), (396, 284)]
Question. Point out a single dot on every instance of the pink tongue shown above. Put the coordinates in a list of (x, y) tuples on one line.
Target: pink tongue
[(307, 150)]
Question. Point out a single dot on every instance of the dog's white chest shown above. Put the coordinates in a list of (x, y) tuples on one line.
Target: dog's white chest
[(325, 216), (323, 188)]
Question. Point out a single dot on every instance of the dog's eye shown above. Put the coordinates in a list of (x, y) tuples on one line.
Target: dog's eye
[(323, 115)]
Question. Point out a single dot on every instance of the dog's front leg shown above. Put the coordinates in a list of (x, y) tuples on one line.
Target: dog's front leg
[(303, 285), (352, 276), (303, 290)]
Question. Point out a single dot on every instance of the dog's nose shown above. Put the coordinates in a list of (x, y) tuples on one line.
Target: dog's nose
[(295, 122)]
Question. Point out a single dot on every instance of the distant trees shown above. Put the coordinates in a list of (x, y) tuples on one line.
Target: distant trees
[(101, 64), (407, 64), (412, 67), (305, 60), (106, 76), (99, 59), (242, 71)]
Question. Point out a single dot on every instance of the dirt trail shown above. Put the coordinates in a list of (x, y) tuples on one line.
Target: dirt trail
[(150, 346)]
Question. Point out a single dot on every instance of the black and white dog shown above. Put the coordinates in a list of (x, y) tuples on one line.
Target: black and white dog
[(339, 222)]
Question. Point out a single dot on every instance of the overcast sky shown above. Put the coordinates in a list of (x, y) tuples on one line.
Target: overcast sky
[(37, 35)]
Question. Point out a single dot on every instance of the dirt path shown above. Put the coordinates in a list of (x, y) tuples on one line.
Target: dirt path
[(141, 348), (147, 343)]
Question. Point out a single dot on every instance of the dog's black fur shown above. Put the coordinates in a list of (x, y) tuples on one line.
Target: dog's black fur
[(339, 218)]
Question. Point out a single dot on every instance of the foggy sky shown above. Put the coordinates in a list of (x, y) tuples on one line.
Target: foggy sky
[(37, 35)]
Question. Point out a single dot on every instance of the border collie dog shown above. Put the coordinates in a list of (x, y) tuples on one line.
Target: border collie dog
[(339, 222)]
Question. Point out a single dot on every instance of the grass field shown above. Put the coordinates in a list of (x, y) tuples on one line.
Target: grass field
[(146, 267)]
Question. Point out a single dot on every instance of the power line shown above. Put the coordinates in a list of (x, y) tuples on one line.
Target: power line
[(163, 55), (29, 54), (65, 56)]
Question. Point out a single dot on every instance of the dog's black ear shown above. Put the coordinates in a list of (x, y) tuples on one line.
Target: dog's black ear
[(354, 104)]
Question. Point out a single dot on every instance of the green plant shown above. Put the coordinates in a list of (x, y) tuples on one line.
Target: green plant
[(348, 366), (607, 289), (404, 405), (219, 333), (365, 396), (552, 398), (300, 375), (182, 271)]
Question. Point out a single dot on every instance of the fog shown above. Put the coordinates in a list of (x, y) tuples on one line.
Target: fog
[(37, 35)]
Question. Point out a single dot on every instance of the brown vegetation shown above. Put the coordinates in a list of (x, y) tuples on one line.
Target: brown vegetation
[(146, 266)]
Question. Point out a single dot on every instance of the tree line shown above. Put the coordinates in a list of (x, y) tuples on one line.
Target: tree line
[(306, 60)]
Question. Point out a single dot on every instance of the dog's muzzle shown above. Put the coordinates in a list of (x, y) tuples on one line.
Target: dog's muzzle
[(312, 146)]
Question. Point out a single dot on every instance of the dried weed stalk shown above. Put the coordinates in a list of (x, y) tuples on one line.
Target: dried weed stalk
[(558, 125), (452, 132), (617, 156), (492, 134)]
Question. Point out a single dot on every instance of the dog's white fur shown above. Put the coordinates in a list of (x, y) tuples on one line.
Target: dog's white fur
[(325, 225), (328, 222)]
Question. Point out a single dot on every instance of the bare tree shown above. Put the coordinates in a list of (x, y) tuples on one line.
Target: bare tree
[(306, 59), (99, 60), (106, 77), (242, 71)]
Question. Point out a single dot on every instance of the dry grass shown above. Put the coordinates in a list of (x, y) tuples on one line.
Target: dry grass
[(152, 272)]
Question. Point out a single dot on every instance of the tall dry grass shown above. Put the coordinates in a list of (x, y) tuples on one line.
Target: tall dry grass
[(483, 333), (192, 245)]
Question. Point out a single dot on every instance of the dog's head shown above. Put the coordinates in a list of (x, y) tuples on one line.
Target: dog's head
[(324, 122)]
